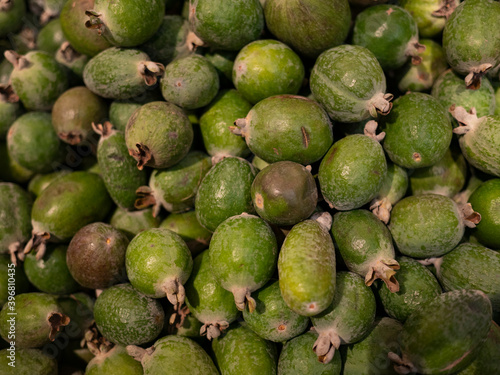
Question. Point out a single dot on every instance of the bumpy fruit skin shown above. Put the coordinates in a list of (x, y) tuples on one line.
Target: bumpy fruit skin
[(40, 181), (307, 285), (487, 200), (228, 24), (125, 316), (28, 362), (114, 362)]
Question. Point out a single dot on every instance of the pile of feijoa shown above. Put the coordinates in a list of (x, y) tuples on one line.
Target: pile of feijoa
[(245, 187)]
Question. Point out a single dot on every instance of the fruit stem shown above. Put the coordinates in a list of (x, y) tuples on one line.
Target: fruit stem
[(38, 243), (7, 94), (213, 329), (56, 321), (473, 79), (104, 130), (94, 22), (370, 130), (193, 41), (384, 269), (18, 61), (6, 5), (138, 353), (324, 219), (446, 9), (142, 155), (242, 297), (72, 137), (14, 248), (413, 49), (68, 53), (467, 120), (380, 103), (146, 198), (175, 292), (402, 365), (470, 217), (239, 127), (381, 208), (325, 345), (151, 71)]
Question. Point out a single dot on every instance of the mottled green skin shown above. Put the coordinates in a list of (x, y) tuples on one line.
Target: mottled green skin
[(190, 82), (488, 359), (429, 25), (284, 193), (129, 23), (235, 23), (425, 226), (164, 128), (207, 300), (40, 182), (225, 192), (395, 184), (12, 19), (228, 106), (33, 143), (450, 89), (266, 68), (241, 351), (344, 80), (178, 355), (386, 33), (243, 253), (486, 200), (443, 335), (125, 316), (50, 37), (417, 285), (470, 36), (32, 319), (133, 222), (15, 214), (352, 172), (120, 112), (50, 274), (446, 177), (79, 198), (418, 124), (28, 361), (369, 356), (288, 127), (10, 170), (306, 268), (155, 256), (9, 112), (7, 270), (40, 83), (115, 362), (223, 62), (75, 63), (297, 358), (309, 27)]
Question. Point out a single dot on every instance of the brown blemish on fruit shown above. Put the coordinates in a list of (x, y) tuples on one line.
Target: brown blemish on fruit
[(108, 240), (389, 11), (71, 137), (305, 137), (56, 321), (277, 151), (281, 327), (259, 201), (312, 306), (416, 156)]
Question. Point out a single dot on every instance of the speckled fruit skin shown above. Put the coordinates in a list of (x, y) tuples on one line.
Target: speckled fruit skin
[(28, 362), (115, 362), (352, 172), (487, 200), (133, 222), (417, 131), (345, 80), (309, 27), (307, 284), (125, 316), (297, 358), (180, 355), (241, 350), (444, 335), (266, 68), (234, 24), (429, 24), (120, 112)]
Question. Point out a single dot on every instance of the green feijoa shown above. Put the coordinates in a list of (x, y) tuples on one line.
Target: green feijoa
[(224, 192), (365, 244), (444, 334), (209, 302), (125, 316), (471, 39), (428, 225), (96, 256), (223, 62), (475, 180), (243, 253), (235, 24), (307, 286), (120, 112), (66, 55), (265, 68), (116, 361), (284, 193), (190, 82), (347, 319), (390, 32), (421, 77), (39, 182), (121, 73), (352, 172), (118, 169), (417, 131), (10, 110), (158, 264), (471, 266), (15, 212), (350, 84), (297, 358), (186, 225), (417, 285), (369, 356), (33, 143), (12, 14), (487, 200), (39, 317), (175, 188), (27, 361), (37, 78), (272, 319), (158, 135), (219, 142), (133, 222), (50, 274), (309, 27), (50, 37), (10, 170), (479, 140), (242, 351), (12, 276), (488, 359), (75, 111), (286, 127), (430, 15)]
